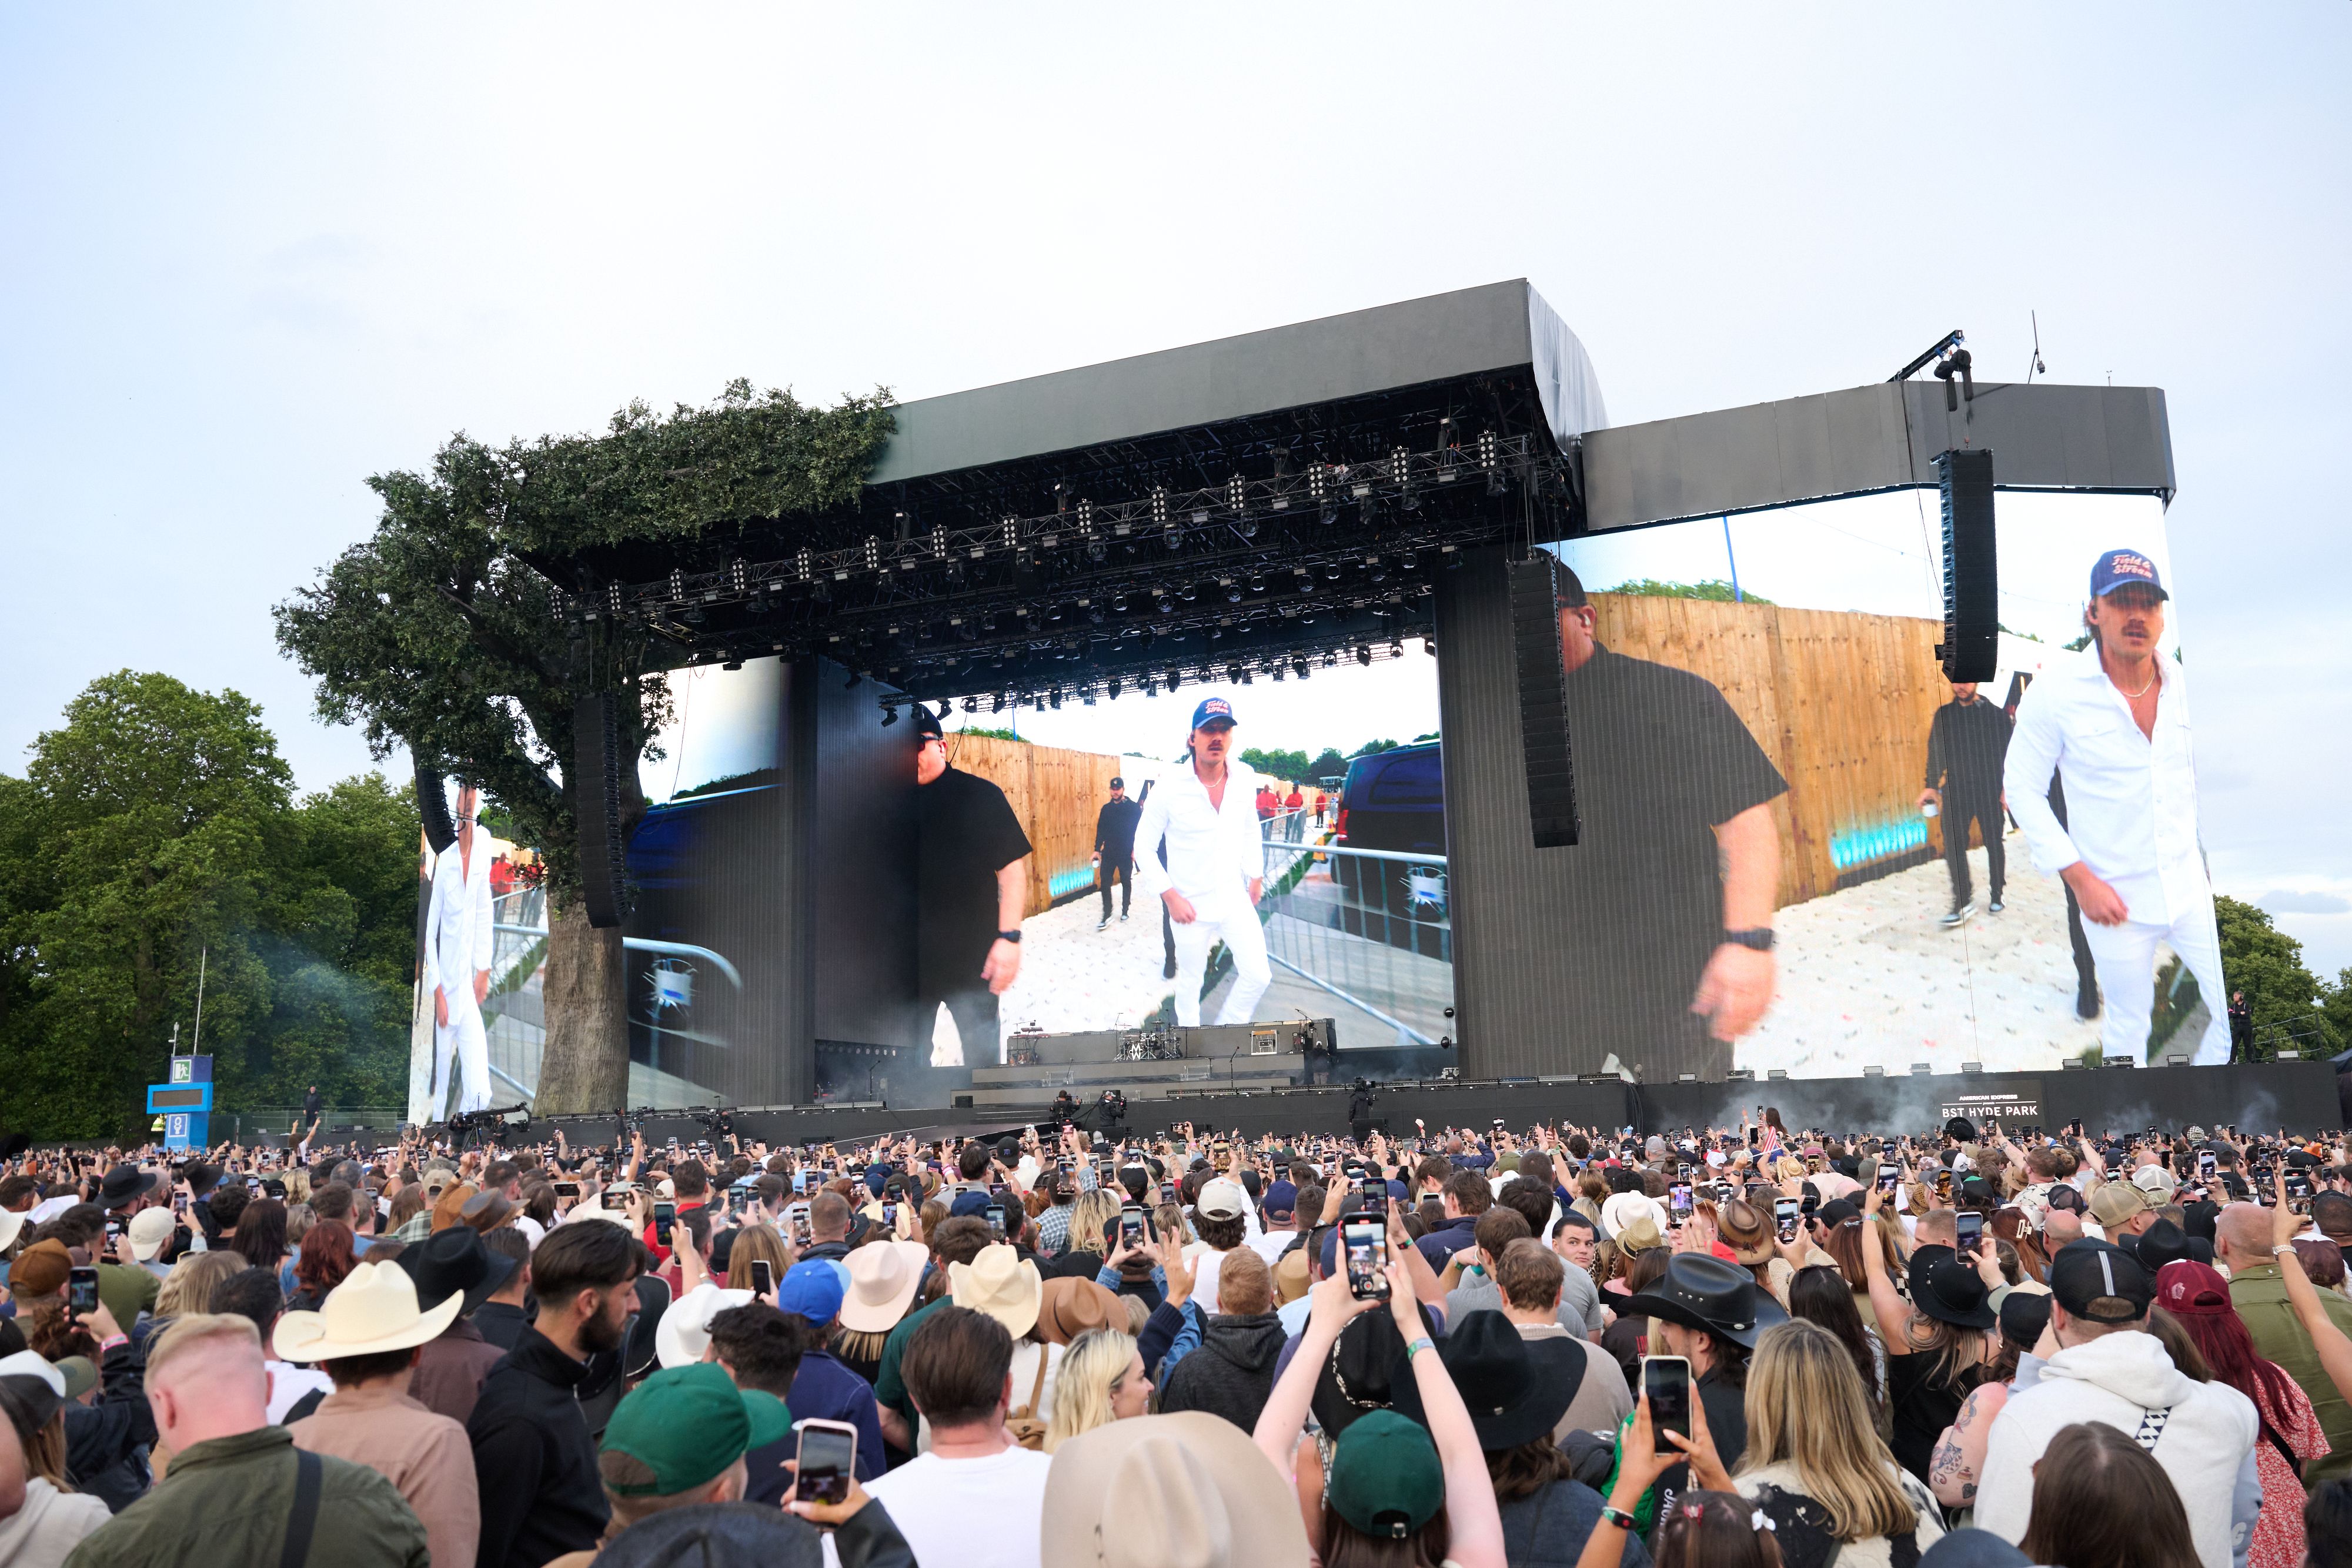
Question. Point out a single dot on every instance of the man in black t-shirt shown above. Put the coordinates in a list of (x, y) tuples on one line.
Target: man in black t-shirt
[(1665, 904), (1967, 742), (1115, 850), (970, 888)]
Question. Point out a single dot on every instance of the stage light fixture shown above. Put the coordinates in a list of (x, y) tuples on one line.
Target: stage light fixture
[(1175, 679), (972, 704), (694, 616), (889, 717), (1113, 687), (1151, 685), (1300, 668), (1364, 654), (1232, 594), (996, 702), (1094, 551), (1279, 672), (1428, 646)]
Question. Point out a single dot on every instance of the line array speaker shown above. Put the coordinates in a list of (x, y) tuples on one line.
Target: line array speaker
[(1971, 644), (1543, 699), (597, 803), (433, 806)]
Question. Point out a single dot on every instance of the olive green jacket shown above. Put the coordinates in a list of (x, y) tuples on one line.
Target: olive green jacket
[(226, 1501), (2260, 1296)]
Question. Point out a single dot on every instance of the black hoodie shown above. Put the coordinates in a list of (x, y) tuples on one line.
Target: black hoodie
[(1231, 1373)]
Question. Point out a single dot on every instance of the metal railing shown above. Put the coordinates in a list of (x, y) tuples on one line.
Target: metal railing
[(1367, 928)]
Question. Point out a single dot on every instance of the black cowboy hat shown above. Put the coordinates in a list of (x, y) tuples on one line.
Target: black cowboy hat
[(1365, 1369), (1950, 1291), (123, 1184), (1710, 1295), (1516, 1389), (453, 1260)]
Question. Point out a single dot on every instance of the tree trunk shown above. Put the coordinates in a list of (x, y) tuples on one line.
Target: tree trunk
[(584, 1068)]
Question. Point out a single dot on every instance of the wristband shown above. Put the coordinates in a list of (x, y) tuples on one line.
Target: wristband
[(2283, 1249), (1618, 1517), (1416, 1347), (111, 1340), (1012, 936)]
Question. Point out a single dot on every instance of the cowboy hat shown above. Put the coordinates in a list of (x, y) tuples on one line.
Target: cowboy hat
[(1002, 1283), (883, 1278), (1628, 1208), (1709, 1295), (1748, 1231), (123, 1184), (685, 1329), (1950, 1290), (449, 1209), (1516, 1389), (1071, 1307), (374, 1309), (454, 1261), (1189, 1487)]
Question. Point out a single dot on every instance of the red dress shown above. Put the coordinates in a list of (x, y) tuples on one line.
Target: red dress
[(2278, 1530)]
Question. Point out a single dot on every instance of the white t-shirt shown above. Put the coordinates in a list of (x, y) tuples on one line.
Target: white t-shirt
[(974, 1513)]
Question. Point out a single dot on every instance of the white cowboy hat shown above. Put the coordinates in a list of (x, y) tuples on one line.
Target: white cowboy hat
[(10, 1225), (684, 1332), (1622, 1209), (592, 1209), (1002, 1283), (373, 1311), (883, 1277)]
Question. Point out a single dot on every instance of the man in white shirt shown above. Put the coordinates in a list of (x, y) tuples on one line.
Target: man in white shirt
[(458, 944), (1206, 807), (977, 1499), (2113, 723)]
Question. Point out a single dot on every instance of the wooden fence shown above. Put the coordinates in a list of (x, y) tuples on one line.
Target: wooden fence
[(1841, 702), (1056, 793)]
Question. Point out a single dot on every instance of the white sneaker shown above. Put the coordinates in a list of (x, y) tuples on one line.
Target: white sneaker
[(1958, 917)]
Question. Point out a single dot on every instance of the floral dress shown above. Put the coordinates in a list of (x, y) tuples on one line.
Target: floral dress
[(2278, 1530)]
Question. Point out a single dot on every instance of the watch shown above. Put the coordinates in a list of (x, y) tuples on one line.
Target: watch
[(1618, 1517), (1015, 936), (1760, 939)]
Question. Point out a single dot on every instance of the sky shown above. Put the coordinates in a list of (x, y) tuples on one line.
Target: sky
[(256, 254)]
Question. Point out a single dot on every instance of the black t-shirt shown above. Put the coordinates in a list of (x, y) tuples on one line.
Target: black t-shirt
[(1967, 744), (1114, 829), (1921, 1410), (965, 832), (1660, 761)]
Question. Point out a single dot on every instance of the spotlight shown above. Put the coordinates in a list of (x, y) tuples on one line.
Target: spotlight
[(1428, 646), (972, 704), (1165, 605), (1114, 688), (1094, 551), (1151, 685), (889, 717), (1232, 594), (1364, 654), (1233, 674), (1057, 699), (1175, 679), (996, 702), (1299, 667)]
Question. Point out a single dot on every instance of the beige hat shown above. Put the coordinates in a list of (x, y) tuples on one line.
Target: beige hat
[(1186, 1490), (150, 1229), (11, 1223), (883, 1278), (373, 1311), (1639, 1237), (2117, 1204), (1002, 1283), (1290, 1277), (593, 1209), (2157, 1181), (1221, 1200)]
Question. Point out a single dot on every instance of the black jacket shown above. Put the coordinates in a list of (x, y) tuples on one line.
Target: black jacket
[(107, 1440), (500, 1323), (1231, 1373), (1967, 744), (541, 1496)]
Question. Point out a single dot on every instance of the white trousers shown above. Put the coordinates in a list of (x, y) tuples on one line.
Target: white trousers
[(2125, 958), (1244, 938), (464, 1036)]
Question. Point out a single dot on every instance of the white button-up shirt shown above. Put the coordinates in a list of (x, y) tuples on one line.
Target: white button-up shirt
[(2131, 800), (458, 937), (1214, 852)]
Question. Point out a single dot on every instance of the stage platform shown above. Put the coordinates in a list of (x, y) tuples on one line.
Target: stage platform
[(2301, 1095)]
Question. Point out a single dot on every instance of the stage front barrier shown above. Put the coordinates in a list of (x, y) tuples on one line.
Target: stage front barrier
[(1362, 934)]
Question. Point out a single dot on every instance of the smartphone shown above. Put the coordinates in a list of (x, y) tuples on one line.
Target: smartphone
[(828, 1461), (1678, 1203), (2205, 1165), (1889, 1178), (994, 1214), (1971, 1228), (664, 1216), (567, 1189), (113, 1229), (1375, 1195), (81, 1288), (890, 1218), (1666, 1384), (1784, 1213), (763, 1276), (1131, 1226), (179, 1203), (1363, 1240), (2298, 1192)]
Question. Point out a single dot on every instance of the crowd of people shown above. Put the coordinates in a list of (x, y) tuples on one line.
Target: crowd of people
[(1738, 1347)]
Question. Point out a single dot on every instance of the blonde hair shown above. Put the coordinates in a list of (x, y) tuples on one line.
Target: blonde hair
[(201, 1328), (188, 1289), (1806, 1409), (1091, 1219), (1090, 1371), (751, 1243)]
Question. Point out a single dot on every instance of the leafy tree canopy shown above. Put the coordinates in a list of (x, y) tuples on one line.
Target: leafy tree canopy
[(1283, 765), (1714, 588), (157, 825), (2265, 963)]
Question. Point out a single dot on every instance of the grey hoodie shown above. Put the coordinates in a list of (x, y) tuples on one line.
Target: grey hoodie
[(1231, 1374), (50, 1525)]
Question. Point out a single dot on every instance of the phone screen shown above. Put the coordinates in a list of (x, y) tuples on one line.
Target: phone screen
[(1666, 1381), (1971, 1228), (828, 1457), (82, 1289), (1130, 1227), (664, 1216), (763, 1276), (1889, 1177), (994, 1213), (567, 1189), (1784, 1211), (1678, 1203), (1375, 1195), (890, 1217), (1366, 1280)]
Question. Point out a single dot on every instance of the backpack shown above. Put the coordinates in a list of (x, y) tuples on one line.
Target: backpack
[(1026, 1425)]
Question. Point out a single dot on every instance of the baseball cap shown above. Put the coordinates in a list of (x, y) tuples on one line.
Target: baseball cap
[(2189, 1289), (2117, 1204), (927, 724), (150, 1229), (687, 1424), (2118, 567), (2100, 1283), (1221, 1200), (813, 1290), (1281, 1197), (1117, 783), (2157, 1182), (1385, 1478), (41, 1269), (1211, 710)]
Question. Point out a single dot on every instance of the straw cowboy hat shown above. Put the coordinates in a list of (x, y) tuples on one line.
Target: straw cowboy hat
[(684, 1331), (373, 1311), (1158, 1491), (1002, 1283), (883, 1278)]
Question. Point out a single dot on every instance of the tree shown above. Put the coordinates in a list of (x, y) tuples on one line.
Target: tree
[(438, 634), (155, 832), (1328, 765), (2266, 963), (1374, 748), (1714, 589), (1287, 766)]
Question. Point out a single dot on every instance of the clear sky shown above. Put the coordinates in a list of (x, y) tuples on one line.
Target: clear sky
[(254, 254)]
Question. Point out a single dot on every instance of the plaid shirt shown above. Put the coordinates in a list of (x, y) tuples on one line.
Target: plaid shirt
[(1054, 1229)]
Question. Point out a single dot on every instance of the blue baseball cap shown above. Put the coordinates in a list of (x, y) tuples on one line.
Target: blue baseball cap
[(813, 1289), (1212, 709), (2113, 569)]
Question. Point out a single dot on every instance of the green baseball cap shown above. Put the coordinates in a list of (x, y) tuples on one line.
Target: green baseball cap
[(1385, 1478), (687, 1424)]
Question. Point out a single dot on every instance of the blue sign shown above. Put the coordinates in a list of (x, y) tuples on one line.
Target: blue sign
[(185, 1102)]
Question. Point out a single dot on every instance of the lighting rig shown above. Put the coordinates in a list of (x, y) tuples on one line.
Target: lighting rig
[(1202, 555)]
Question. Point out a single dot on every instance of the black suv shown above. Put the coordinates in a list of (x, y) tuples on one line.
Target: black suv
[(1393, 800)]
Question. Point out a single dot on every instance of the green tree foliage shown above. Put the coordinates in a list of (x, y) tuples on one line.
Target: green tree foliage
[(438, 632), (1374, 748), (2265, 963), (1284, 764), (1714, 588), (2336, 1004), (1329, 764), (157, 824)]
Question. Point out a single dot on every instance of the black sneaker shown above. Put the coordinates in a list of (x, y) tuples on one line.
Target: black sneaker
[(2086, 999), (1122, 917), (1104, 924), (1994, 907), (1959, 916)]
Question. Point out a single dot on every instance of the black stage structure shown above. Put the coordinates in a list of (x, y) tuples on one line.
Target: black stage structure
[(1260, 507)]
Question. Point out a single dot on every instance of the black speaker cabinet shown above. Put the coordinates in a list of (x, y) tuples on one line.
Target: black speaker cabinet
[(1543, 697), (1972, 645)]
